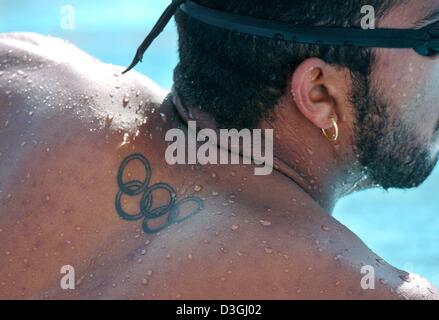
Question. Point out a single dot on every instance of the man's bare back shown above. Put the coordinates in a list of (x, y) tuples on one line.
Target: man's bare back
[(67, 123)]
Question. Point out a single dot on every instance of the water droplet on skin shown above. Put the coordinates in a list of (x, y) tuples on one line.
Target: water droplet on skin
[(168, 256), (140, 261), (143, 252), (126, 139), (239, 253), (223, 250), (6, 123), (223, 279), (126, 100), (197, 188), (235, 227), (265, 223), (383, 281), (189, 256), (78, 228), (215, 194), (163, 117), (178, 296), (325, 228), (268, 250), (338, 257), (109, 120), (31, 113), (405, 278), (149, 273), (113, 285)]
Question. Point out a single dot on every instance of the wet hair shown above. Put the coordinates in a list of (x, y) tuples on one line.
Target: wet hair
[(238, 78)]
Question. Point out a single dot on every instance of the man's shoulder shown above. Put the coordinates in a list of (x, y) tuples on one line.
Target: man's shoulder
[(53, 59), (48, 83), (63, 121), (246, 253)]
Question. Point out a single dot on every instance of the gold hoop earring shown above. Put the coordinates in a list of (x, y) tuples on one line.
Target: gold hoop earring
[(336, 134)]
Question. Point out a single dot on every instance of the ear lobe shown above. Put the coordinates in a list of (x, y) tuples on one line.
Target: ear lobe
[(310, 93)]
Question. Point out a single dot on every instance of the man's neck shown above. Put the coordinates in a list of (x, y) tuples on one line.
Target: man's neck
[(321, 183), (304, 163), (326, 170)]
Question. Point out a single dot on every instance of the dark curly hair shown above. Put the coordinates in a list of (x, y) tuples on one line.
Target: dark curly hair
[(238, 78)]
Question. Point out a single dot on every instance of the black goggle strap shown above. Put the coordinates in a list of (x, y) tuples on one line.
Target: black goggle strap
[(379, 38), (156, 30), (423, 40), (433, 31)]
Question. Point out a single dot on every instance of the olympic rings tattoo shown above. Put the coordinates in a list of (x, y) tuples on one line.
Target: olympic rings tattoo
[(146, 210)]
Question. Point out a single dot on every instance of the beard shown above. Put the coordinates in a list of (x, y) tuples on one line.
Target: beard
[(389, 151)]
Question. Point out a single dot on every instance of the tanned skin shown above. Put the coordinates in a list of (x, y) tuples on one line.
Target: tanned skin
[(70, 124)]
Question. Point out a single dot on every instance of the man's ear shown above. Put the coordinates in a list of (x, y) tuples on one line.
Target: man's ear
[(313, 92)]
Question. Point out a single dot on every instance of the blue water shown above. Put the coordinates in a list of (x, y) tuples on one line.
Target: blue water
[(401, 226)]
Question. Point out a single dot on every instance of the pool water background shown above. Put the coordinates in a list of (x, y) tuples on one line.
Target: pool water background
[(400, 226)]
